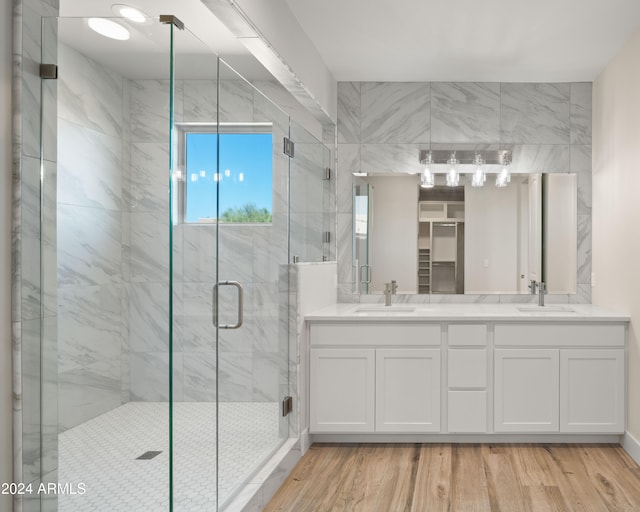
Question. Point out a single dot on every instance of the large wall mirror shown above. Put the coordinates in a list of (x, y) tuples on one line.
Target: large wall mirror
[(465, 239)]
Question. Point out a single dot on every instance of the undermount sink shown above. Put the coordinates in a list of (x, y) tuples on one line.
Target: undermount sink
[(385, 310), (546, 309)]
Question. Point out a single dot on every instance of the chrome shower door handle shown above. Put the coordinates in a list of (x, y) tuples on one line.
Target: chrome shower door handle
[(368, 280), (214, 309)]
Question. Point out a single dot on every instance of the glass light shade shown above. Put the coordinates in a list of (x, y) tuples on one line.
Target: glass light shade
[(503, 178), (453, 177), (427, 180), (478, 178)]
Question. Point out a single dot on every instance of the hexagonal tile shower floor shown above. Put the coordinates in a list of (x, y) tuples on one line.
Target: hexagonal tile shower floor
[(104, 455)]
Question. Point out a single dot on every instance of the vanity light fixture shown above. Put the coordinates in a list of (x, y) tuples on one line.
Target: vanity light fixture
[(474, 163), (109, 28)]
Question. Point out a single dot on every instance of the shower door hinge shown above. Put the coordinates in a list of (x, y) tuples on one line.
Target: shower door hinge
[(49, 71), (326, 237), (170, 19), (327, 173), (289, 147), (287, 405)]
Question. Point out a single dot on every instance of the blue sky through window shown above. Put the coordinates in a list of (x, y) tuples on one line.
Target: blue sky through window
[(245, 174)]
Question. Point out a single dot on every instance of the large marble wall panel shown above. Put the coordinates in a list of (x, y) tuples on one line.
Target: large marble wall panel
[(581, 165), (349, 113), (465, 112), (150, 102), (535, 113), (581, 113), (200, 101), (394, 112), (89, 250), (90, 95), (148, 177), (236, 101), (87, 160), (90, 235)]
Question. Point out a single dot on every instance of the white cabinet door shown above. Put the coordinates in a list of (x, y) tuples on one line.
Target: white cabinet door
[(526, 392), (342, 390), (592, 391), (408, 390)]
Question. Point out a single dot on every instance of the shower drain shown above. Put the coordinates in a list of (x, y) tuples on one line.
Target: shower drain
[(148, 455)]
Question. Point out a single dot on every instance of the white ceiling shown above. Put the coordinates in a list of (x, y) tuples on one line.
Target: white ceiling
[(146, 51), (467, 40)]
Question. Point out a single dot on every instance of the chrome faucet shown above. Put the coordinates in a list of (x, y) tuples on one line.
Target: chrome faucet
[(387, 293), (542, 291), (532, 286)]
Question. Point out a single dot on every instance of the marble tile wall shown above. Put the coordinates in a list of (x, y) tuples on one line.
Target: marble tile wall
[(89, 238), (382, 126)]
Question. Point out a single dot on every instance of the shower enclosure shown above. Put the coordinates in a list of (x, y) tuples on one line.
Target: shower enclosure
[(168, 216)]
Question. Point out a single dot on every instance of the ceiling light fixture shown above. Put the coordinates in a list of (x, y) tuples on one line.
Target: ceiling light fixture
[(131, 13), (108, 28)]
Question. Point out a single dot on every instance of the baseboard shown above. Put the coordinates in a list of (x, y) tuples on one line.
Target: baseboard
[(466, 438), (305, 441), (632, 446)]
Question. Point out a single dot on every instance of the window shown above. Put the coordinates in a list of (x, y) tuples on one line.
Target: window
[(244, 174)]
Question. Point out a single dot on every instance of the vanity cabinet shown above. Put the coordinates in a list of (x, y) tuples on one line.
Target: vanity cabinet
[(563, 389), (468, 378)]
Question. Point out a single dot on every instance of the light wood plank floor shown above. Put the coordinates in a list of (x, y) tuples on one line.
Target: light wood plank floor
[(461, 478)]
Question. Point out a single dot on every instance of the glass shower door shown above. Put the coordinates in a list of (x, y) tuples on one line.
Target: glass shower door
[(252, 286), (230, 279)]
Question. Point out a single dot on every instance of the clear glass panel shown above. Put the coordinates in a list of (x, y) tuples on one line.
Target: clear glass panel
[(195, 152), (253, 358), (112, 232), (309, 193)]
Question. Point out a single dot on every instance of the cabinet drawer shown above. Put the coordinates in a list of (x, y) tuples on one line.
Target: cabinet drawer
[(375, 333), (467, 368), (467, 335), (547, 335)]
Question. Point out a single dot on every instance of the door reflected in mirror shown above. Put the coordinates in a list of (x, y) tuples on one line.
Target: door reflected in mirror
[(465, 240)]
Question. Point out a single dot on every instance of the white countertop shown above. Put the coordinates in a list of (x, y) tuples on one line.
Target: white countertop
[(406, 312)]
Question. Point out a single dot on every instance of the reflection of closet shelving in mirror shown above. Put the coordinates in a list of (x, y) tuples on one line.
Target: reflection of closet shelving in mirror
[(441, 244)]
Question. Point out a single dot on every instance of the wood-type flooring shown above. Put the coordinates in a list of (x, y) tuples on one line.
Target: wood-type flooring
[(461, 478)]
